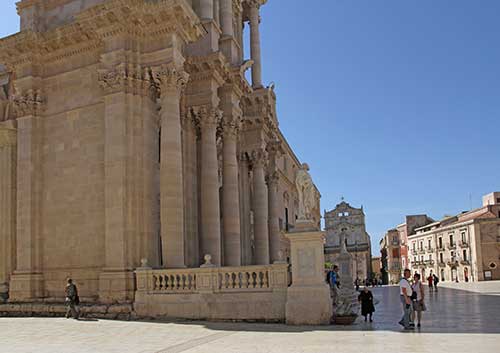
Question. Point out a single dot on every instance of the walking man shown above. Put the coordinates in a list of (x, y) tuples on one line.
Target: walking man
[(72, 299), (406, 293)]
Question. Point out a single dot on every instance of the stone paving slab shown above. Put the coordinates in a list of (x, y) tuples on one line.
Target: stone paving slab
[(457, 321)]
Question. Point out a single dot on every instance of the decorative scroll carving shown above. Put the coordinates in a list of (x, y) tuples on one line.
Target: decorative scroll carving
[(28, 103), (231, 126), (131, 78)]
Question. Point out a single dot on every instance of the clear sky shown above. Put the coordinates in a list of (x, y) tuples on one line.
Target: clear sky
[(394, 104)]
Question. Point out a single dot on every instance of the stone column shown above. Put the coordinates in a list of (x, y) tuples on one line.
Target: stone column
[(245, 206), (172, 82), (274, 214), (190, 161), (260, 207), (226, 15), (230, 194), (254, 6), (210, 212), (207, 9), (8, 140), (27, 281)]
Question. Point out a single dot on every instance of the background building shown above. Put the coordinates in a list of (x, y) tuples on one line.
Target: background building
[(391, 256), (351, 221), (464, 247)]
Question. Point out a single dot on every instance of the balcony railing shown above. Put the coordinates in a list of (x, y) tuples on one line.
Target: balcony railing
[(421, 251), (464, 244), (465, 262), (441, 264), (429, 262), (452, 246), (414, 251), (430, 249)]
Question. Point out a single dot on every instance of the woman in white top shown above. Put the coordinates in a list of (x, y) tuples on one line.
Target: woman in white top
[(418, 298)]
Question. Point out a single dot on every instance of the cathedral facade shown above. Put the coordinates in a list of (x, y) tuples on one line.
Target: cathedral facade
[(129, 134), (348, 222)]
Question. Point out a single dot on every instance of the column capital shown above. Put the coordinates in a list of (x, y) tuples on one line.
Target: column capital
[(274, 148), (231, 126), (273, 179), (255, 3), (8, 137), (259, 157), (168, 77), (131, 78), (207, 116)]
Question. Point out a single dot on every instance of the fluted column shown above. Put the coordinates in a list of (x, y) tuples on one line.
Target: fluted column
[(7, 207), (260, 207), (274, 214), (210, 213), (230, 194), (245, 207), (172, 81), (254, 7), (226, 16)]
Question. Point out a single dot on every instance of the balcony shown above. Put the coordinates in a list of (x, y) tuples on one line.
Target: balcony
[(452, 246), (464, 244), (421, 251), (465, 262), (441, 264), (452, 263), (429, 262), (431, 249), (416, 263), (440, 248)]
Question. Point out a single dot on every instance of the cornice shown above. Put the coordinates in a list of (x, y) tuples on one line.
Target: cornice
[(210, 67)]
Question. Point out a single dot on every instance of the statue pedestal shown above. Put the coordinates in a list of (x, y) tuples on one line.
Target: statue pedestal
[(308, 298)]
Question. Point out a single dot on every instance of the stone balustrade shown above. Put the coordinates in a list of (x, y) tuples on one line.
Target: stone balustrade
[(213, 279)]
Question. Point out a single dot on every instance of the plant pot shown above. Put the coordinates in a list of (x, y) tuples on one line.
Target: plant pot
[(345, 320)]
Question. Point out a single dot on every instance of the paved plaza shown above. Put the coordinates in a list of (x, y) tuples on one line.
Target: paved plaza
[(456, 321)]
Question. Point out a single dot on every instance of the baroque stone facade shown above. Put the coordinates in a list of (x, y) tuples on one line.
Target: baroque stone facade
[(351, 222), (128, 131)]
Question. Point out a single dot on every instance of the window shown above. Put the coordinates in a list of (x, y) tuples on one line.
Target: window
[(452, 241), (422, 258), (414, 245), (430, 257), (421, 245), (498, 199), (429, 242), (440, 243), (441, 257), (465, 255), (452, 256), (464, 237), (415, 259)]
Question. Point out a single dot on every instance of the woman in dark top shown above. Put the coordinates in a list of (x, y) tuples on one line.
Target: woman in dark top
[(366, 300)]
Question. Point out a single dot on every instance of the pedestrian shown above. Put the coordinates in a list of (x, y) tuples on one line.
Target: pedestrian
[(430, 281), (72, 299), (356, 283), (333, 277), (418, 301), (436, 281), (406, 292), (367, 306)]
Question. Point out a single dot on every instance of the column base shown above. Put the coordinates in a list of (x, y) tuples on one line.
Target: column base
[(309, 305), (116, 286), (26, 287)]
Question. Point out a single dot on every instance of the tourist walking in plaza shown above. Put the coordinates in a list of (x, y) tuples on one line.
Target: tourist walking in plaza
[(430, 282), (418, 299), (367, 306), (436, 281), (406, 292), (72, 299)]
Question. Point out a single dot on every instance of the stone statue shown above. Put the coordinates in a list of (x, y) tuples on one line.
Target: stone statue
[(306, 192)]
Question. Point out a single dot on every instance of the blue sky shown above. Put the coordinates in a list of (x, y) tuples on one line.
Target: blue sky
[(394, 104)]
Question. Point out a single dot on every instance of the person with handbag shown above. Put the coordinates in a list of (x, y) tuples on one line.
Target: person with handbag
[(72, 299), (418, 298)]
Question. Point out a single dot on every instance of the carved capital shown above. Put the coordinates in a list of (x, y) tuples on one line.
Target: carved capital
[(274, 148), (28, 103), (231, 126), (190, 121), (255, 3), (259, 157), (168, 78), (113, 79), (8, 137), (208, 117), (273, 179), (130, 78)]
